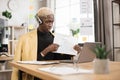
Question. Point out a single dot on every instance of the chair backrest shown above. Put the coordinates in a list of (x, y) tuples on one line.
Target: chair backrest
[(86, 54)]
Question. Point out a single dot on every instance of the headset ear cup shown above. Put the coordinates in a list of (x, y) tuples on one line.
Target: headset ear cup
[(39, 20)]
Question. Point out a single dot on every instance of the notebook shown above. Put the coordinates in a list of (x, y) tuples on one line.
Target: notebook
[(86, 54), (38, 62)]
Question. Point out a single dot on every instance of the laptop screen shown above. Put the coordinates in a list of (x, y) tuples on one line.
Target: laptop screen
[(86, 54)]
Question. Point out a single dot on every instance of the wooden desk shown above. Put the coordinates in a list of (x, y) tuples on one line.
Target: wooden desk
[(33, 70)]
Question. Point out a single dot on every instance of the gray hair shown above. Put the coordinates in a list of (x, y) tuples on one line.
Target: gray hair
[(44, 11)]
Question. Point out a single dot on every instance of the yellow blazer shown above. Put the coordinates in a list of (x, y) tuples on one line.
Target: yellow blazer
[(26, 50)]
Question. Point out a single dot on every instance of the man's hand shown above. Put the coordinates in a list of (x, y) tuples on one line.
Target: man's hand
[(53, 47), (50, 48), (77, 48)]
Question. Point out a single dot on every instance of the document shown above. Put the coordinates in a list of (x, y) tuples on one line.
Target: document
[(66, 44), (38, 62), (65, 70)]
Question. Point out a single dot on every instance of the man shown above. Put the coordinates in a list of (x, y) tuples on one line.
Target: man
[(37, 44)]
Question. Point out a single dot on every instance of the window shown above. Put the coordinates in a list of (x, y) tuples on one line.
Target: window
[(76, 18)]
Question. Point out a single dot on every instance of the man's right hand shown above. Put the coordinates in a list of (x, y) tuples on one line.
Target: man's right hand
[(53, 47), (50, 48)]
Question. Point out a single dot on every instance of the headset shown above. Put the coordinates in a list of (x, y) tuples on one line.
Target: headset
[(38, 19)]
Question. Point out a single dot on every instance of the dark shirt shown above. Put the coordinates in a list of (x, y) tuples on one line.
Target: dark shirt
[(44, 40)]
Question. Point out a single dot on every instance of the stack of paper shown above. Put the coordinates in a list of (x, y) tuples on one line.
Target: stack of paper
[(38, 62), (66, 44)]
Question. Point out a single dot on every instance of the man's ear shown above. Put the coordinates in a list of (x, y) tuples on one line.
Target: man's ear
[(38, 19)]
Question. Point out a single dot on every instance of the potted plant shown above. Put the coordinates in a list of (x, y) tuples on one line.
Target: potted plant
[(101, 62), (7, 14), (75, 32)]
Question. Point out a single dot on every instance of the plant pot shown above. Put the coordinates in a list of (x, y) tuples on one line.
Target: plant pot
[(101, 66)]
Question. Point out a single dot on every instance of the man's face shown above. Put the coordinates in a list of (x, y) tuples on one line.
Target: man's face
[(47, 23)]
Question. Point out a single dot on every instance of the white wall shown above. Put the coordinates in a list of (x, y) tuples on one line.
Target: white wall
[(20, 10)]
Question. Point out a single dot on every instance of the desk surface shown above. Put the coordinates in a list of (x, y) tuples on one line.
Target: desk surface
[(33, 70)]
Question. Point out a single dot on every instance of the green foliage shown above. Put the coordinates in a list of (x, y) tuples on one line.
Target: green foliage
[(100, 52), (7, 14), (74, 32)]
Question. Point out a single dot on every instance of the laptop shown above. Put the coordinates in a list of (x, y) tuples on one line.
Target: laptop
[(86, 54)]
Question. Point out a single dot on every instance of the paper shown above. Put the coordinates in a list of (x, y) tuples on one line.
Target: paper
[(66, 44), (38, 62), (64, 70)]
